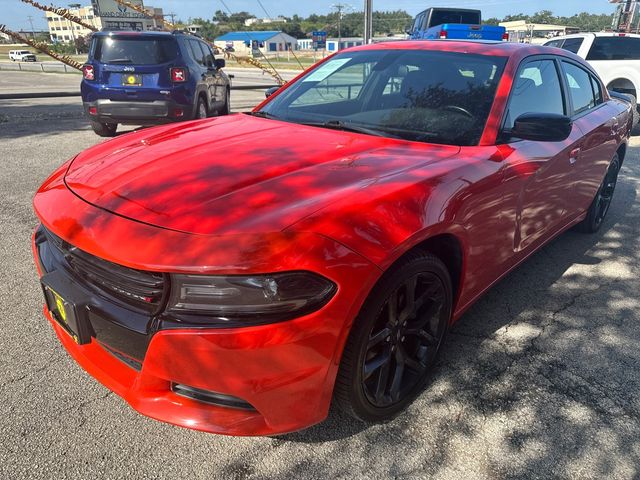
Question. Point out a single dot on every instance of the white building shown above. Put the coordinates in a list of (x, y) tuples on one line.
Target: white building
[(102, 14), (256, 21), (256, 42)]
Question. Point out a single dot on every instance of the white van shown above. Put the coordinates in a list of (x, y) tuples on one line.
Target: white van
[(21, 56)]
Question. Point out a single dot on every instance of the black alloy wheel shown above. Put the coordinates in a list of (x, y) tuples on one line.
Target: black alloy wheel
[(602, 201), (396, 339)]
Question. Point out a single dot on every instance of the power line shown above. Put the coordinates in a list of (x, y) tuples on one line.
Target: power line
[(264, 9)]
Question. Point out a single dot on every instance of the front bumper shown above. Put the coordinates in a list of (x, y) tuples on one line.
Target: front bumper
[(137, 112), (285, 371)]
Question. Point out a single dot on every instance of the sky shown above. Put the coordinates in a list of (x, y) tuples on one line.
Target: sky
[(15, 14)]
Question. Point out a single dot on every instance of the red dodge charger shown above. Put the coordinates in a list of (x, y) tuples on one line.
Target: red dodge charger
[(239, 274)]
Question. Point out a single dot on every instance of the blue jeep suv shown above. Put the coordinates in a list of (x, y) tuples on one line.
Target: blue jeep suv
[(148, 78)]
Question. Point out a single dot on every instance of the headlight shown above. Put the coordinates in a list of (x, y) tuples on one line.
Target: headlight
[(256, 298)]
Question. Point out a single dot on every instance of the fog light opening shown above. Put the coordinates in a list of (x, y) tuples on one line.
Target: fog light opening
[(212, 398)]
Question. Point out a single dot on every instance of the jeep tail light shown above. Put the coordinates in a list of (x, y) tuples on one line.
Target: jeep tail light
[(88, 72), (505, 37), (443, 34), (93, 110), (178, 75)]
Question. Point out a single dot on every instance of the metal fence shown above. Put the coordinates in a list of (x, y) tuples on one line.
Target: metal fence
[(50, 67)]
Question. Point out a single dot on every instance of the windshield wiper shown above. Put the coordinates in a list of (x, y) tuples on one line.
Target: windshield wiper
[(351, 127), (263, 114)]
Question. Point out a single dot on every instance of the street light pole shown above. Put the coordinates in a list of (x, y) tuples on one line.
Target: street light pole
[(368, 21)]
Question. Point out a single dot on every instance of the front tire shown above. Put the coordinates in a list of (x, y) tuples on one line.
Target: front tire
[(395, 340), (602, 201), (104, 129)]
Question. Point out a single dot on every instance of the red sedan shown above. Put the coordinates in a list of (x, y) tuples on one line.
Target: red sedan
[(239, 274)]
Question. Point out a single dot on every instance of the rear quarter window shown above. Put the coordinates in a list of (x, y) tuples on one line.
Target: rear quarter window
[(135, 50), (615, 48)]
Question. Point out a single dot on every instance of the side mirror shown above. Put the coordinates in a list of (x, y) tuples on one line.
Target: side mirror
[(270, 91), (219, 63), (542, 127)]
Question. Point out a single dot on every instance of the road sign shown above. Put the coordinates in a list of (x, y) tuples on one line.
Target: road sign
[(319, 40)]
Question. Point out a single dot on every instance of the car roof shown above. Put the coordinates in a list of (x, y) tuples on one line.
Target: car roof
[(133, 33), (482, 47), (595, 34)]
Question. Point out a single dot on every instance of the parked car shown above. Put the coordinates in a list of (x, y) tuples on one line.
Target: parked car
[(614, 56), (149, 78), (454, 24), (238, 274), (21, 56)]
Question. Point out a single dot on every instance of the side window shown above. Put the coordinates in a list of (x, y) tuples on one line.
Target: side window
[(615, 48), (536, 89), (580, 88), (554, 43), (196, 52), (572, 44), (208, 54), (597, 90)]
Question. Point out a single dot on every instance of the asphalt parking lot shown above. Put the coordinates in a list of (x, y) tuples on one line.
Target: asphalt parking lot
[(540, 379)]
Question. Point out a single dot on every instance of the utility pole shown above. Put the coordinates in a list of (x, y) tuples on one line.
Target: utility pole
[(75, 6), (173, 17), (33, 32), (368, 21), (340, 7)]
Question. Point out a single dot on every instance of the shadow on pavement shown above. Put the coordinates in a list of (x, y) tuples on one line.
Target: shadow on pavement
[(540, 377)]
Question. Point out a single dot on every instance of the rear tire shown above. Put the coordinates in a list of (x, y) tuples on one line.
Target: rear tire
[(104, 129), (226, 108), (602, 201), (395, 340), (201, 109)]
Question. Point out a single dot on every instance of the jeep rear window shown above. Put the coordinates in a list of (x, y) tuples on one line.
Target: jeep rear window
[(615, 48), (135, 51), (440, 17)]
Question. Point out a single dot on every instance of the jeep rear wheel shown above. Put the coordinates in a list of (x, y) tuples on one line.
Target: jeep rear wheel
[(104, 129), (201, 109)]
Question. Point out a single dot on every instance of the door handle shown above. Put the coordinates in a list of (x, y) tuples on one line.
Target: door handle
[(573, 156)]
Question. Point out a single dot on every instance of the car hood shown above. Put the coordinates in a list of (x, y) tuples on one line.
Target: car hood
[(236, 174)]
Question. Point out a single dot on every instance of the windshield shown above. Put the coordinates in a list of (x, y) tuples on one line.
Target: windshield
[(436, 97), (135, 51)]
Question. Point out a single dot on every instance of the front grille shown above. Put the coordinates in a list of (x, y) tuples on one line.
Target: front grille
[(138, 288)]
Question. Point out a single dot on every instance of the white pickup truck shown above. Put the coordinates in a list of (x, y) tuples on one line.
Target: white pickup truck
[(21, 56), (614, 56)]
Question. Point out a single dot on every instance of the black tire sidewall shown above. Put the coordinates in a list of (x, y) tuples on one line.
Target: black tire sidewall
[(591, 224), (354, 399), (198, 104)]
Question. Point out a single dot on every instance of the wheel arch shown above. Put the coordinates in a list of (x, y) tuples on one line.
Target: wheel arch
[(623, 85)]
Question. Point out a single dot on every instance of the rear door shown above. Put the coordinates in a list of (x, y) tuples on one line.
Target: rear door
[(205, 74), (538, 175), (598, 123)]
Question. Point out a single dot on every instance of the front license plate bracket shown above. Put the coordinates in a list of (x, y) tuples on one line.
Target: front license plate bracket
[(65, 306)]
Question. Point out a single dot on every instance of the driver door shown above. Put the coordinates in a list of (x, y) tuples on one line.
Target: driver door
[(538, 175)]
